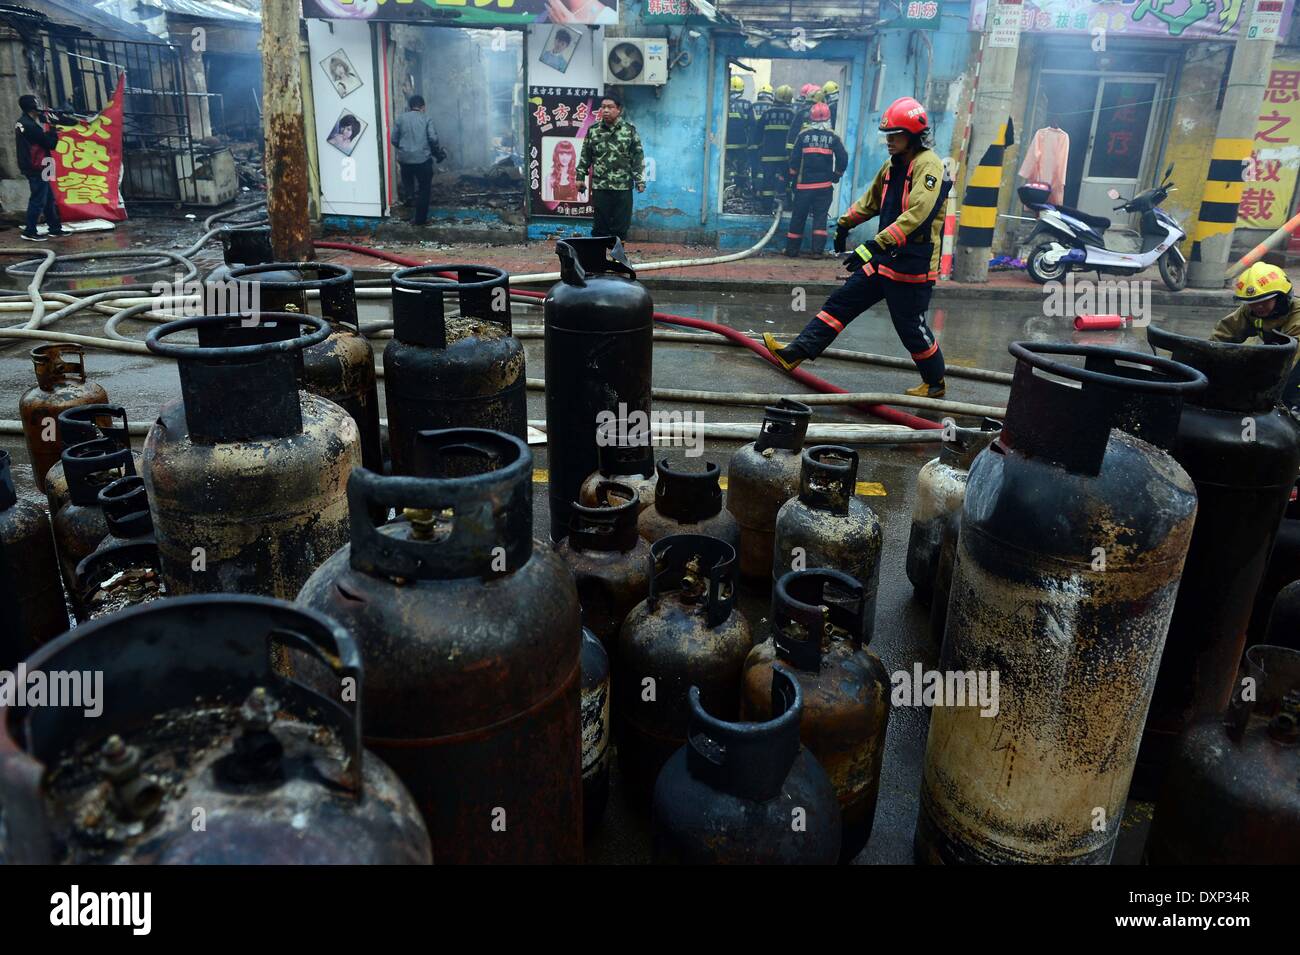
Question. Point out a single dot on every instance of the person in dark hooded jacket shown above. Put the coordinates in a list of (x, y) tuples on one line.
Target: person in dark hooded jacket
[(34, 139)]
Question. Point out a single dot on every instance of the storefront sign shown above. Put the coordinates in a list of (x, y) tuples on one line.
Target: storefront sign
[(1176, 19), (1270, 173), (88, 165), (466, 11), (921, 14), (1266, 21), (670, 11), (558, 119), (1005, 31)]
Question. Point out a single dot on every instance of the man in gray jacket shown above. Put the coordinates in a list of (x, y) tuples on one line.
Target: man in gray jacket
[(417, 146)]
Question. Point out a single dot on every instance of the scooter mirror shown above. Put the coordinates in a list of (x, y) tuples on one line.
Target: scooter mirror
[(1170, 171), (1113, 193)]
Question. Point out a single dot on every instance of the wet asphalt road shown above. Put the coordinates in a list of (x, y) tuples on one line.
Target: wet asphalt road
[(972, 333)]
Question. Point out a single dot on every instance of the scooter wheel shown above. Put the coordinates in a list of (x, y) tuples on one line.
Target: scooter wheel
[(1173, 270), (1039, 270)]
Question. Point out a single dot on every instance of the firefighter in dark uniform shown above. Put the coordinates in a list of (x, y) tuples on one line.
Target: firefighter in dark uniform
[(817, 162), (774, 132), (801, 107), (831, 94), (740, 135), (900, 264), (762, 103)]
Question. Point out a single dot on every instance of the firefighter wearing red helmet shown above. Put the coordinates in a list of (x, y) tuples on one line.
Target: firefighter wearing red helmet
[(901, 262), (817, 161)]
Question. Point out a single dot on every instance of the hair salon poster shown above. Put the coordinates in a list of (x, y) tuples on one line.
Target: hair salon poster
[(558, 119)]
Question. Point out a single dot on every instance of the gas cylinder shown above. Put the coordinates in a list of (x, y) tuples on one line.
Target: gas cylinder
[(826, 526), (341, 368), (246, 475), (686, 633), (599, 346), (1073, 534), (191, 722), (595, 730), (940, 487), (1284, 620), (86, 423), (124, 569), (465, 371), (688, 502), (761, 477), (30, 592), (471, 634), (60, 384), (80, 524), (609, 559), (246, 245), (1242, 451), (733, 793), (1283, 568), (1231, 795), (819, 630), (623, 460)]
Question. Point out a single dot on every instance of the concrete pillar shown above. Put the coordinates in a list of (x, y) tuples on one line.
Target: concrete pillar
[(994, 83), (1252, 59), (286, 140)]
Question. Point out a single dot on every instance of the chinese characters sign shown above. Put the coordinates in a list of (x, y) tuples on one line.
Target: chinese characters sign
[(1176, 19), (1005, 31), (921, 14), (669, 11), (466, 11), (558, 119), (1270, 172), (88, 165)]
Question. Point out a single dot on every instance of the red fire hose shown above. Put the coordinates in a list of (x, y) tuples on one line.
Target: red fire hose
[(883, 412)]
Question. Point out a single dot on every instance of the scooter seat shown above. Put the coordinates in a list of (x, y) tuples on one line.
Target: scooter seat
[(1097, 222)]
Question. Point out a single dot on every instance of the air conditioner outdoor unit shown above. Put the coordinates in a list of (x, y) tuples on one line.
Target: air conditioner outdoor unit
[(641, 61)]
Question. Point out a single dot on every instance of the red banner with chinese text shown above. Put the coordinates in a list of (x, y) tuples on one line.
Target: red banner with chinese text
[(88, 165)]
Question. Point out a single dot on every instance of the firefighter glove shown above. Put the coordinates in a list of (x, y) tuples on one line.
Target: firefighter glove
[(859, 256), (841, 239)]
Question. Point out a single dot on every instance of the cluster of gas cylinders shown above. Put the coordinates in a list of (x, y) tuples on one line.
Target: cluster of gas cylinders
[(330, 641)]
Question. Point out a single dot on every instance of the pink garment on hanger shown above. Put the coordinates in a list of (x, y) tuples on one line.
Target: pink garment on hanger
[(1046, 160)]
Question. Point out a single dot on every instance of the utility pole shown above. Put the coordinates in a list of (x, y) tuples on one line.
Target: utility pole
[(286, 141), (1252, 59)]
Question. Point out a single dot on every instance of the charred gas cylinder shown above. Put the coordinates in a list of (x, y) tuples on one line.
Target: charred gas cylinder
[(687, 633), (688, 502), (626, 456), (86, 423), (1283, 568), (1242, 451), (191, 720), (342, 367), (465, 371), (819, 627), (29, 575), (608, 558), (761, 477), (730, 794), (1073, 535), (940, 487), (471, 635), (826, 526), (246, 245), (246, 475), (60, 384), (599, 328), (1231, 795), (595, 730), (123, 570), (1284, 621), (80, 524)]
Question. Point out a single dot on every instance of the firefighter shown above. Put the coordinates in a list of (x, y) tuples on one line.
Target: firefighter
[(901, 263), (762, 103), (801, 107), (817, 162), (1267, 304), (831, 92), (774, 132), (740, 135)]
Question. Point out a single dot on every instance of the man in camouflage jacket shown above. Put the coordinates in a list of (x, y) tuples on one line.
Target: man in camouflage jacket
[(613, 162)]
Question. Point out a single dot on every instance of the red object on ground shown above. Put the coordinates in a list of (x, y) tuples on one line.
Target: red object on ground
[(1093, 323), (883, 412)]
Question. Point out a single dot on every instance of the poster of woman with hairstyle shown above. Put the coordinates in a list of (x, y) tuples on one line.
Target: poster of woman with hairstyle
[(563, 183), (343, 75)]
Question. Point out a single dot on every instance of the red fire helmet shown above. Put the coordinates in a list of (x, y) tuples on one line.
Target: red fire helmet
[(904, 115), (820, 113)]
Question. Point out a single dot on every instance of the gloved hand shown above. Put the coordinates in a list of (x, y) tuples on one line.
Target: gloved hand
[(841, 239), (860, 256), (439, 153)]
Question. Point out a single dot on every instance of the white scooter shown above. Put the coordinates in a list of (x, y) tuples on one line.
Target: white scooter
[(1070, 240)]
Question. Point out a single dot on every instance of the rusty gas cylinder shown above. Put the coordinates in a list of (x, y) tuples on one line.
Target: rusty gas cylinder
[(465, 371), (80, 525), (688, 502), (595, 730), (60, 384), (1073, 534), (246, 245), (626, 456), (246, 475), (746, 793), (819, 630), (30, 592), (124, 569), (1232, 792), (1242, 451), (688, 632), (761, 477), (342, 367), (609, 559), (471, 635), (86, 423), (940, 487), (192, 722), (827, 526)]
